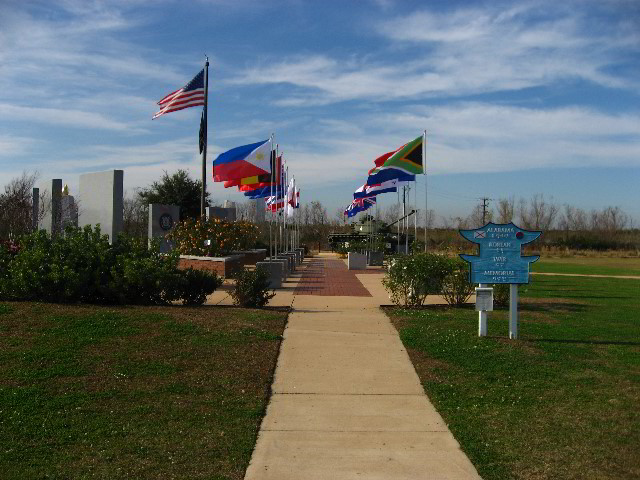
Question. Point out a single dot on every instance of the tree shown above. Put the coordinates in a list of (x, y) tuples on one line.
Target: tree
[(176, 189), (574, 219), (506, 210), (16, 216), (476, 220), (316, 224), (539, 214), (135, 216)]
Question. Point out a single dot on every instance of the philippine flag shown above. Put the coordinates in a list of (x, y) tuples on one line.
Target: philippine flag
[(243, 161)]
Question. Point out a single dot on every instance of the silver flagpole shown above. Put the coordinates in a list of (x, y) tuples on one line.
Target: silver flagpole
[(405, 220), (271, 191), (415, 215), (279, 180), (399, 222), (426, 196), (204, 147), (284, 213)]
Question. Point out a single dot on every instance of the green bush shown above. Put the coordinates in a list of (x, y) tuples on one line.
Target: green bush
[(456, 287), (196, 285), (411, 278), (81, 266), (252, 288)]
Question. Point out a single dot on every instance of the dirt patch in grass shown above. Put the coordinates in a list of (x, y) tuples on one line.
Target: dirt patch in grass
[(428, 369)]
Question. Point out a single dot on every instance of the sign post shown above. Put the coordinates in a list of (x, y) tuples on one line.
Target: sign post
[(500, 261)]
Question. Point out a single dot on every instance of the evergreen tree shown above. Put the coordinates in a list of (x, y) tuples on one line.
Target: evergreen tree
[(176, 189)]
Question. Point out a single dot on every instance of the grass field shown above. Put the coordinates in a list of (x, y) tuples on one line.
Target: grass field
[(559, 403), (98, 392), (588, 265)]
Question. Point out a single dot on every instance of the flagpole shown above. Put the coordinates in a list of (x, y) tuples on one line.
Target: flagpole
[(271, 191), (426, 196), (405, 219), (204, 149), (398, 242), (415, 215), (275, 191)]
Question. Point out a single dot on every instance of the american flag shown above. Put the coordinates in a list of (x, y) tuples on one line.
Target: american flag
[(191, 95)]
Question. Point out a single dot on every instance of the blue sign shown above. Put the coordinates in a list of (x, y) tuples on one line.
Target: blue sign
[(500, 260)]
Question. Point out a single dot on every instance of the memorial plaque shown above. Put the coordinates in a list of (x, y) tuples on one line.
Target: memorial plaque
[(499, 259)]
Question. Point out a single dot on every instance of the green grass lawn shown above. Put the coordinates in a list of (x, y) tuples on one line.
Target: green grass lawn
[(588, 265), (562, 402), (99, 392)]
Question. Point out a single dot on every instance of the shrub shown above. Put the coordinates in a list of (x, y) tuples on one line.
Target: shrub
[(190, 237), (456, 287), (252, 288), (411, 278), (81, 266), (66, 268), (196, 285)]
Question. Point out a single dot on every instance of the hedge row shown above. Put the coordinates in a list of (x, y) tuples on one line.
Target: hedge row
[(82, 266)]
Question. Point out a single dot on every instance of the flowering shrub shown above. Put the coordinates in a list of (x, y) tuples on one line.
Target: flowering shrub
[(10, 247), (412, 277), (213, 238)]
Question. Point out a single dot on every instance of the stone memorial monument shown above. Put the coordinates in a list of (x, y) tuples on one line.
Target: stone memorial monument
[(101, 201), (162, 219), (223, 213), (51, 220)]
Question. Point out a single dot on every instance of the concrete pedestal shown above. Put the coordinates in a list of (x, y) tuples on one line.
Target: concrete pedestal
[(275, 272), (284, 262), (375, 258), (357, 261), (293, 258)]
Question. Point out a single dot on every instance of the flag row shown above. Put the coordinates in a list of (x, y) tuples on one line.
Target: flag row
[(255, 169), (392, 170)]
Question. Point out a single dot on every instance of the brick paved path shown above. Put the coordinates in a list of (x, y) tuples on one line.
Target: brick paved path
[(330, 277)]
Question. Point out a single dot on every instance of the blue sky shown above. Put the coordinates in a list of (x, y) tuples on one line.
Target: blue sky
[(518, 98)]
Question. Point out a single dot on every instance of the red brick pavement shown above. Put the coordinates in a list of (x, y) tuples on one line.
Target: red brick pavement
[(329, 277)]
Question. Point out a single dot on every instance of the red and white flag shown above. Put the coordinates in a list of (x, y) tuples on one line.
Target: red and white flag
[(191, 95)]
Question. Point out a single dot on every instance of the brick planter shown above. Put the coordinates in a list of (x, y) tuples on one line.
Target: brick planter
[(223, 266), (251, 257)]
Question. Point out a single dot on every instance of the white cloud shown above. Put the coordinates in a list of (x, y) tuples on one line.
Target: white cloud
[(462, 52), (58, 116), (12, 145), (474, 137)]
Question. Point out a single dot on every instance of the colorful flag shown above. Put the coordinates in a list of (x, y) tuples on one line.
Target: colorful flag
[(191, 95), (377, 189), (274, 203), (404, 162), (267, 178), (263, 192), (243, 161), (379, 175)]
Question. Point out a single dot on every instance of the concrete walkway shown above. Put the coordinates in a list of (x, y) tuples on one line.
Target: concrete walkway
[(346, 400)]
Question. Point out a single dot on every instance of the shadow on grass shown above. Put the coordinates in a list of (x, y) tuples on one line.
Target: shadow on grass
[(552, 306), (580, 342)]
